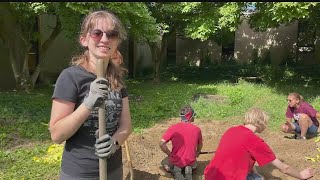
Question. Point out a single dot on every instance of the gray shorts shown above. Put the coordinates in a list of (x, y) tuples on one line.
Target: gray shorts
[(115, 175), (166, 162), (253, 176)]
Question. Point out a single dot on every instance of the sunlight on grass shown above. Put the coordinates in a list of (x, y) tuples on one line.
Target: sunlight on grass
[(53, 156), (149, 104), (20, 163)]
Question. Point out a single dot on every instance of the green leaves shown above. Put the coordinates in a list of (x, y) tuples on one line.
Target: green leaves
[(273, 14), (190, 7)]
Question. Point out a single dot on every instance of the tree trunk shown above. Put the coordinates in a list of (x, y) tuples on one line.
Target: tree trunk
[(163, 55), (42, 52), (19, 47), (156, 49)]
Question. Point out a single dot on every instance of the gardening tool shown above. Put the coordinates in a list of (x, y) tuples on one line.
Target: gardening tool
[(207, 152), (129, 159), (101, 67)]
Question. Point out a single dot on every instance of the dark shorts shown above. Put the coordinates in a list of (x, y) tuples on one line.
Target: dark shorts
[(115, 175), (313, 129), (64, 176), (168, 166), (254, 176)]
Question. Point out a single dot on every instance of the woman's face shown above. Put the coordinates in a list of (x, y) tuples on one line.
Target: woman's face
[(292, 101), (102, 40)]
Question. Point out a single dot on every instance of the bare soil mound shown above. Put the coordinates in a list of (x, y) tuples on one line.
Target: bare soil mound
[(146, 154)]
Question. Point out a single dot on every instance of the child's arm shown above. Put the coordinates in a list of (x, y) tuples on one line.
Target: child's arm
[(200, 144), (164, 148), (199, 147), (254, 170)]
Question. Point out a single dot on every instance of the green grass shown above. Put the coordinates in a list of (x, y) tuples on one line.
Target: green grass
[(24, 116)]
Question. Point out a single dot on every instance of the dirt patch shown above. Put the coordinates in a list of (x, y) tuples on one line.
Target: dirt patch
[(211, 98), (146, 154)]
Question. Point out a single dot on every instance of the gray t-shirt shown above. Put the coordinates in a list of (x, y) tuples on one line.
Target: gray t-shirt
[(78, 158)]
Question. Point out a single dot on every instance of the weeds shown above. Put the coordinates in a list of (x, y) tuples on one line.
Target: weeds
[(24, 117)]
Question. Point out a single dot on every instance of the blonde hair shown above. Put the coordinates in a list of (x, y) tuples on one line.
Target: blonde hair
[(296, 95), (114, 73), (256, 117)]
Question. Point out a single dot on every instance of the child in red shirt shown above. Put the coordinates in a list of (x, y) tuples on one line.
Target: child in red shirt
[(186, 140), (240, 148)]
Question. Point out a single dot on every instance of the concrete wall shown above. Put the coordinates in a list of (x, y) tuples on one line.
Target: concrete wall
[(66, 48), (279, 41), (191, 51), (60, 52), (142, 58)]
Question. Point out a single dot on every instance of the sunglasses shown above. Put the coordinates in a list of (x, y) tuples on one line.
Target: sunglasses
[(96, 34)]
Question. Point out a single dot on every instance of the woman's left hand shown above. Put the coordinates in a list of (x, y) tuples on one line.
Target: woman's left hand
[(105, 146)]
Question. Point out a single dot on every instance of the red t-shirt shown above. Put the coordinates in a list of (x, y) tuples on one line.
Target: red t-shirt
[(305, 108), (238, 150), (184, 137)]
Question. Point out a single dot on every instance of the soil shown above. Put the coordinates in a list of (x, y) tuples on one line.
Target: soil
[(146, 154)]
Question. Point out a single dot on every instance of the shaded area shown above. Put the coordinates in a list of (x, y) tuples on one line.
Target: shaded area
[(304, 79)]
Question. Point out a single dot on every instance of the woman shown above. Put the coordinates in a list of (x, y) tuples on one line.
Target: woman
[(239, 149), (77, 95), (301, 118)]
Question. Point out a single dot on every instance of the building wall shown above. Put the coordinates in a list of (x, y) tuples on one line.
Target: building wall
[(279, 41), (60, 52), (191, 51)]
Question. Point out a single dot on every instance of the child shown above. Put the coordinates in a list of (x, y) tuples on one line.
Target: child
[(239, 149), (301, 118), (186, 140)]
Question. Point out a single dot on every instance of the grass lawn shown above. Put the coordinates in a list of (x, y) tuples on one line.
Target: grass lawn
[(26, 151)]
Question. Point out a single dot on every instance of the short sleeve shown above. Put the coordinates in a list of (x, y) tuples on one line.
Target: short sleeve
[(261, 152), (310, 110), (124, 92), (167, 135), (65, 88)]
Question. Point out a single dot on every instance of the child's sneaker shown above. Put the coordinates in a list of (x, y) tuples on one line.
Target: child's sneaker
[(301, 138)]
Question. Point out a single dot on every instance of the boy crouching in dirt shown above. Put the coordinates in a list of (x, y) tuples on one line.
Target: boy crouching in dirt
[(186, 139)]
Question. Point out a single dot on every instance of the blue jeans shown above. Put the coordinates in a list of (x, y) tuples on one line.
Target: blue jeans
[(253, 176), (312, 130)]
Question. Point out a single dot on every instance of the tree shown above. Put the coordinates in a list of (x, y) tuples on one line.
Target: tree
[(18, 20), (195, 20), (274, 14)]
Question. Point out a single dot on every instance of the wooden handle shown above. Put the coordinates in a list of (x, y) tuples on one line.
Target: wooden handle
[(101, 67), (207, 152), (129, 159)]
